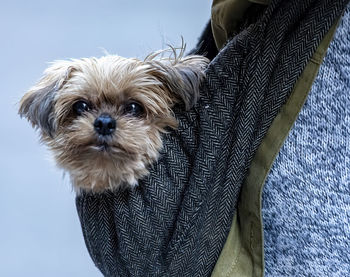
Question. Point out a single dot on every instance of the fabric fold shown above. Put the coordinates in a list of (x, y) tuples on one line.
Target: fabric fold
[(176, 221)]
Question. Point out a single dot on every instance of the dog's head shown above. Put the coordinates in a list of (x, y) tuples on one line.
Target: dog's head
[(103, 117)]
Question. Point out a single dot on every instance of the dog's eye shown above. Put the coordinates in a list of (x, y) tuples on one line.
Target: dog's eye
[(134, 109), (80, 107)]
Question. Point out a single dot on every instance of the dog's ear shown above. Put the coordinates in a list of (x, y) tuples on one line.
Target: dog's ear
[(181, 77), (37, 105)]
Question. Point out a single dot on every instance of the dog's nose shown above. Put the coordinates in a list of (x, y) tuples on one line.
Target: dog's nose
[(105, 125)]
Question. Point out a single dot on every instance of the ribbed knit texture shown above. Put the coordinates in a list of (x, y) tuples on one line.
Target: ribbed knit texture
[(306, 199)]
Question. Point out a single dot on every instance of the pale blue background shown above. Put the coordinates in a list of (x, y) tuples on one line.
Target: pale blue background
[(39, 229)]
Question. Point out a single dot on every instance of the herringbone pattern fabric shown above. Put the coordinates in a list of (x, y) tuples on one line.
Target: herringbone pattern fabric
[(176, 222)]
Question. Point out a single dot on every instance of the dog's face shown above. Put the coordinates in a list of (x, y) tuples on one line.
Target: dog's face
[(103, 118)]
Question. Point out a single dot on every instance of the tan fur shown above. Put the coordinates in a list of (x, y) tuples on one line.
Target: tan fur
[(108, 83)]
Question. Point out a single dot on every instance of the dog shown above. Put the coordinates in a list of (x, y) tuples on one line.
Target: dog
[(103, 118)]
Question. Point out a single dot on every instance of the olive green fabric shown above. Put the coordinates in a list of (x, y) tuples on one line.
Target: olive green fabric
[(262, 2), (226, 16), (243, 253)]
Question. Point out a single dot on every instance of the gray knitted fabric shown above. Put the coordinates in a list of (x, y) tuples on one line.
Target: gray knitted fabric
[(306, 199), (176, 221)]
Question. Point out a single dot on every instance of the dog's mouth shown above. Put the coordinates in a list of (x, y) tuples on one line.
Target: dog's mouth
[(103, 147), (110, 147), (103, 144)]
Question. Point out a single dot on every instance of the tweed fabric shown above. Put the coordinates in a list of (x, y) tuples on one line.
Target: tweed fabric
[(176, 221), (306, 199)]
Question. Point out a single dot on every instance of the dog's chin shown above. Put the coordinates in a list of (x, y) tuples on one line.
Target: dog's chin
[(106, 167)]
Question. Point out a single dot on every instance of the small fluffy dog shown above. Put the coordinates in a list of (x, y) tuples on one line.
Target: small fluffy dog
[(103, 117)]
